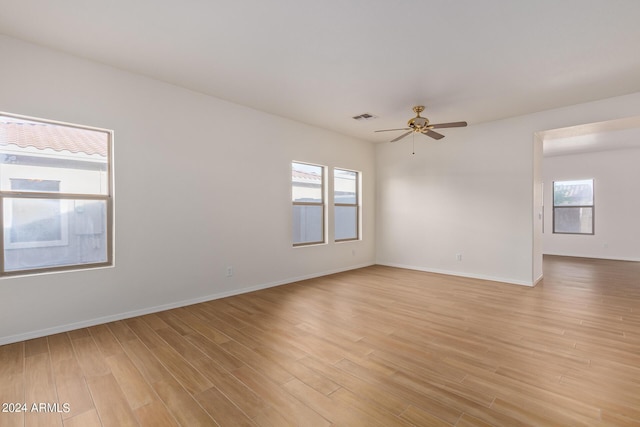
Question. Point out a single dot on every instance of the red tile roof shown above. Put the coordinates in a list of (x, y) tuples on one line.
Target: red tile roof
[(305, 175), (55, 137)]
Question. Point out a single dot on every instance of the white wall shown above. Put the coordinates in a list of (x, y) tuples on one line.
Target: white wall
[(468, 194), (538, 209), (472, 193), (617, 203), (200, 184)]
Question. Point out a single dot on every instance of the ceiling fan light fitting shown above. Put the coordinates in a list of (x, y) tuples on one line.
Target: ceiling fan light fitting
[(418, 123)]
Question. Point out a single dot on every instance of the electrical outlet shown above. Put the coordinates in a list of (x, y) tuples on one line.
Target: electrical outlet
[(229, 271), (459, 257)]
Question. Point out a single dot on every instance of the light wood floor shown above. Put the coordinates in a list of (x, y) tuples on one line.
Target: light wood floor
[(372, 347)]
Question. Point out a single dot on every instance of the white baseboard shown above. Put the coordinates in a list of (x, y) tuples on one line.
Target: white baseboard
[(148, 310), (461, 274)]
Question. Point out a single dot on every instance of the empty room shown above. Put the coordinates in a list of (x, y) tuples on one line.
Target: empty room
[(418, 213)]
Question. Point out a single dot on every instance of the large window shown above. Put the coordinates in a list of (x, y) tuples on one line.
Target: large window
[(55, 196), (573, 207), (346, 204), (307, 190)]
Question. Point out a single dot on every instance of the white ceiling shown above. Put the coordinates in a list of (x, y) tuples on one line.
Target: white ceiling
[(322, 62)]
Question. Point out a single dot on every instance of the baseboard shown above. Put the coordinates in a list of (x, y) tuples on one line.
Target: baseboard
[(148, 310), (460, 274)]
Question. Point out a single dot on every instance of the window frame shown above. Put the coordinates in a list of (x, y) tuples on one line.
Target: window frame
[(355, 205), (322, 205), (584, 206), (107, 198)]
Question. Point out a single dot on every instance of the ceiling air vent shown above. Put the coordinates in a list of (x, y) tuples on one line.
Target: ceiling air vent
[(365, 116)]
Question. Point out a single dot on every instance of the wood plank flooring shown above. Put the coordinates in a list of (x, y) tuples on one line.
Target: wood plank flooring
[(377, 346)]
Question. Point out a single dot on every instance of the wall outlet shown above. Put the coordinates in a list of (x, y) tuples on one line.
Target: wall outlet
[(229, 271), (459, 257)]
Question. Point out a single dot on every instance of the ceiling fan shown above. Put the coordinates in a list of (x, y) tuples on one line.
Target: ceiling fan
[(421, 125)]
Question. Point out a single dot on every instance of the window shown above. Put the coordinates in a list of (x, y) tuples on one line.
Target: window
[(346, 204), (55, 196), (573, 207), (307, 190)]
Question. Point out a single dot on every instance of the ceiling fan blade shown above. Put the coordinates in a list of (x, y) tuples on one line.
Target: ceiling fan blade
[(387, 130), (449, 125), (432, 134), (401, 136)]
